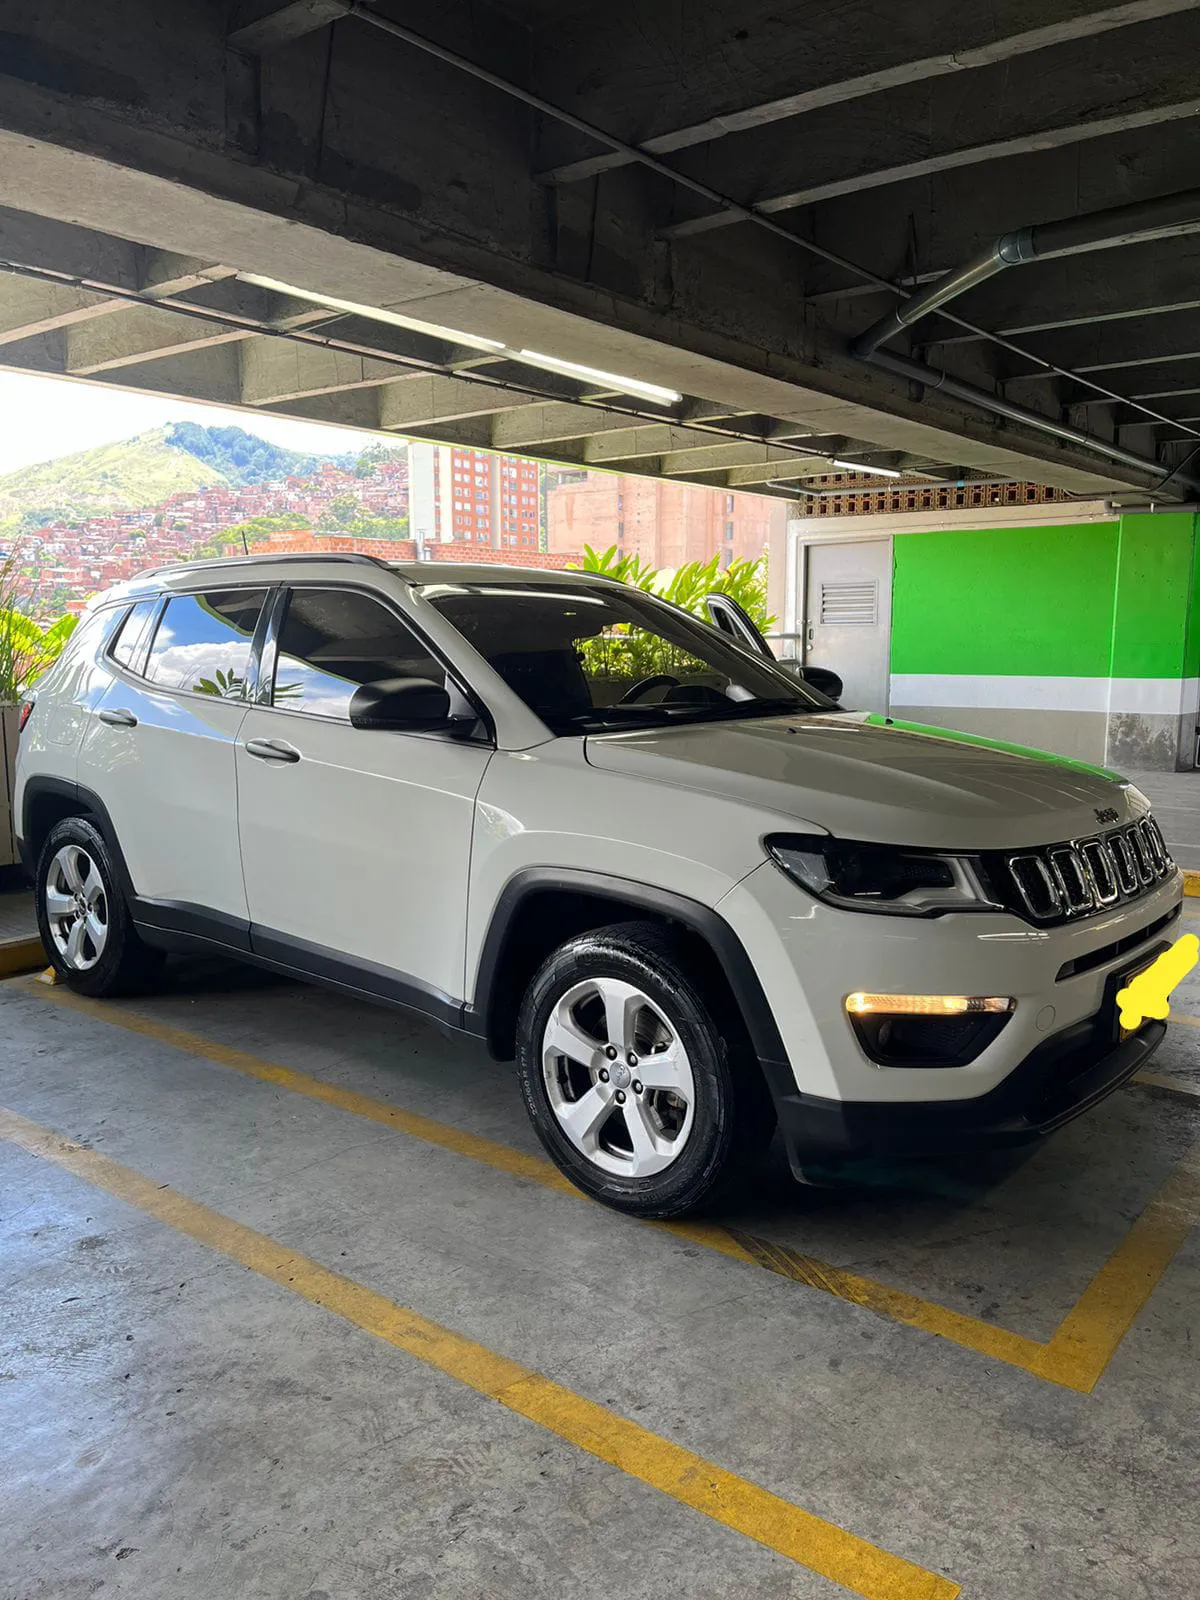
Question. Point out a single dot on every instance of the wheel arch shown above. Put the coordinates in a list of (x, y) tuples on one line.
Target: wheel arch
[(47, 801), (540, 907)]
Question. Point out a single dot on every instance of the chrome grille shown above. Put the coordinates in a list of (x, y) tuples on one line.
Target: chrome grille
[(1082, 876)]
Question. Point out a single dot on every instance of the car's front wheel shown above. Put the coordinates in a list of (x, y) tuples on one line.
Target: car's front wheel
[(639, 1095), (82, 915)]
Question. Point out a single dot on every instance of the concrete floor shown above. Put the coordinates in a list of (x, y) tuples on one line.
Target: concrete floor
[(1175, 797), (175, 1427)]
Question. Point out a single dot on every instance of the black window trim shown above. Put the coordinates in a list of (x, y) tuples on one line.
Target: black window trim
[(268, 660), (135, 673), (146, 683)]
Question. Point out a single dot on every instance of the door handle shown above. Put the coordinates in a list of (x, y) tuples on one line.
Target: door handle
[(118, 718), (271, 750)]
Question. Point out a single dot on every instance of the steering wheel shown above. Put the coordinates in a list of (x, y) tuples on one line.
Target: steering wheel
[(656, 680)]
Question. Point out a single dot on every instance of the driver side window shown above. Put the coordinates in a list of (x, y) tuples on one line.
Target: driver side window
[(335, 640)]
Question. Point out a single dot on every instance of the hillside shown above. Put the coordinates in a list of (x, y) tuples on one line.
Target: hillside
[(142, 471), (111, 477)]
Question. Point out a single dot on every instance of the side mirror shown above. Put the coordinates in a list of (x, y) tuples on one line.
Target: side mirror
[(823, 680), (400, 705)]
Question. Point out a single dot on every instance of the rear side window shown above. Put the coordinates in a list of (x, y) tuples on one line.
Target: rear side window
[(129, 648), (335, 640), (203, 642)]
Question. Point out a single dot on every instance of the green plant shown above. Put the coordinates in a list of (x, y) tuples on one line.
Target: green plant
[(626, 652), (744, 581), (26, 651)]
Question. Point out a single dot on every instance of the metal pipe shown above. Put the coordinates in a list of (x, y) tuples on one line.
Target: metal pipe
[(931, 377), (635, 153), (1098, 230)]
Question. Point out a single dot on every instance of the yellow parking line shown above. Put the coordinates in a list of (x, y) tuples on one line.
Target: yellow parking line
[(725, 1497), (1188, 1021), (1090, 1335)]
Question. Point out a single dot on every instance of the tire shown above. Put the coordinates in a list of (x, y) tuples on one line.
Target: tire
[(695, 1111), (83, 917)]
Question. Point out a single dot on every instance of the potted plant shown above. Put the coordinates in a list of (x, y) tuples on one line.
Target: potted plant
[(25, 652)]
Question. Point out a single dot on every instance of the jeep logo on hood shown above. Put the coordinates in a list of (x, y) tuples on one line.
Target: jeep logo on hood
[(1106, 814)]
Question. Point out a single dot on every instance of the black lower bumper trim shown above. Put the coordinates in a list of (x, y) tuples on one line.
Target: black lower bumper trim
[(1062, 1078)]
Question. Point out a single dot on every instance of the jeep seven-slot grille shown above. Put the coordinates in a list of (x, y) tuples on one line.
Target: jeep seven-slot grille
[(1057, 882)]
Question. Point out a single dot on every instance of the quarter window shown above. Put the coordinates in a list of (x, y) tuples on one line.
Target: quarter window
[(129, 648), (335, 640), (203, 642)]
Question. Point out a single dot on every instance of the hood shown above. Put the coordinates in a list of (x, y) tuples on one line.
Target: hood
[(864, 777)]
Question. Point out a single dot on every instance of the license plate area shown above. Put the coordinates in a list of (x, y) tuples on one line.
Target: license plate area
[(1110, 1011)]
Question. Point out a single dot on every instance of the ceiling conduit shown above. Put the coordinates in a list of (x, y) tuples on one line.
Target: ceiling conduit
[(1100, 230)]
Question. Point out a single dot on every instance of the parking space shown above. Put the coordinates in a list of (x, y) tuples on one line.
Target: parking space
[(293, 1305)]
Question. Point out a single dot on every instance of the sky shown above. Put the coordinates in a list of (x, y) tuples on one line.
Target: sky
[(42, 418)]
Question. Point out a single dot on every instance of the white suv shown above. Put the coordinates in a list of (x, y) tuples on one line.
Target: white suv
[(692, 897)]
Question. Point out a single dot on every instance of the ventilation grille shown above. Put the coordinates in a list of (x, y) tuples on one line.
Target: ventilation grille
[(847, 605)]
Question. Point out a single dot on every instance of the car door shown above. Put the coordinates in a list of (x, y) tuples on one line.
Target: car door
[(159, 752), (733, 619), (356, 842)]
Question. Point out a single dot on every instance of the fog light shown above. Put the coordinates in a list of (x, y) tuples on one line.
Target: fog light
[(926, 1005)]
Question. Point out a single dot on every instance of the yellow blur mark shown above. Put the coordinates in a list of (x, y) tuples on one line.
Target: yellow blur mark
[(1149, 994), (1075, 1356), (726, 1498)]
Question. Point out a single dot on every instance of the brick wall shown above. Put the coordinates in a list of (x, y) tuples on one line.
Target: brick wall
[(463, 550)]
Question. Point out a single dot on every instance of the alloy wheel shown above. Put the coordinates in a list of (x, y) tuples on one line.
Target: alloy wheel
[(76, 908), (618, 1077)]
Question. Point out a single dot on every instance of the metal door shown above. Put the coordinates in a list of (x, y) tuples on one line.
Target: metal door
[(847, 617)]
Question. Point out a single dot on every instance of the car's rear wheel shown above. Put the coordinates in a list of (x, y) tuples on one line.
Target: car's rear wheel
[(82, 915), (638, 1093)]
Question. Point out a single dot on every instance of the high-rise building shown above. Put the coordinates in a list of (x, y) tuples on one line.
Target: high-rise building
[(473, 497), (666, 524)]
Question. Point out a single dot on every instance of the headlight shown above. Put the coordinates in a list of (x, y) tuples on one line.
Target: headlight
[(882, 878)]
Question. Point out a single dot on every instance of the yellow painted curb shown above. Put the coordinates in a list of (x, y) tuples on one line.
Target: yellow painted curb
[(1191, 883), (20, 955)]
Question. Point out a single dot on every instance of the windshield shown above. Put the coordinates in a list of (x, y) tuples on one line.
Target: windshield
[(593, 658)]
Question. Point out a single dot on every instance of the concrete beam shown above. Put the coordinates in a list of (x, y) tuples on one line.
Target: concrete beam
[(1144, 280), (165, 272), (1117, 347), (977, 44), (548, 424), (140, 334), (730, 334), (29, 306), (417, 401), (715, 457), (953, 215), (259, 29), (1051, 101), (274, 371), (652, 439), (797, 468)]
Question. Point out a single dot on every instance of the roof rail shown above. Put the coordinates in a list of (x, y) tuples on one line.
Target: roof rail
[(222, 562)]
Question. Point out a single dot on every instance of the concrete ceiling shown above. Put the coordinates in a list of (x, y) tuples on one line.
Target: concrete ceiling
[(182, 179)]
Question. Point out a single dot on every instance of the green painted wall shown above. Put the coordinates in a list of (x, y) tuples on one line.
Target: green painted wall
[(1092, 600), (1006, 600), (1155, 557)]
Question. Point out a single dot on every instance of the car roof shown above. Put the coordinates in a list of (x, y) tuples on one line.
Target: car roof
[(310, 564)]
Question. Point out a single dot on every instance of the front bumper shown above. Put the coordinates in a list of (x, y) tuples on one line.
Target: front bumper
[(1058, 1080)]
